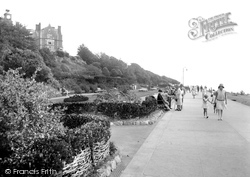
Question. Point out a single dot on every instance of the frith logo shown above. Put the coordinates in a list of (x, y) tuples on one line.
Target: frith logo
[(210, 28)]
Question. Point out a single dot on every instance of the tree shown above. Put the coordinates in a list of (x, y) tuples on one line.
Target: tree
[(106, 72), (94, 71), (97, 64), (119, 72), (114, 73), (86, 54), (29, 61), (15, 36), (48, 57)]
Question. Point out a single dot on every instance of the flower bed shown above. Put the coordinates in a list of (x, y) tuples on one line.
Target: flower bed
[(76, 98), (76, 108), (118, 110)]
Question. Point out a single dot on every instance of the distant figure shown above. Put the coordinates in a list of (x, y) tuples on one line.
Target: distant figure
[(201, 88), (204, 92), (179, 99), (205, 105), (197, 88), (194, 92), (174, 98), (213, 100), (64, 92), (221, 101), (168, 95)]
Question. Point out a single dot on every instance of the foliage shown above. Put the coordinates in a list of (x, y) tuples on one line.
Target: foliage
[(76, 107), (86, 54), (48, 58), (25, 115), (112, 148), (105, 71), (29, 61), (15, 36), (76, 98), (114, 95), (125, 110)]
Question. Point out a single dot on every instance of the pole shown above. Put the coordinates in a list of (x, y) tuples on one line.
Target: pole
[(183, 74), (183, 77)]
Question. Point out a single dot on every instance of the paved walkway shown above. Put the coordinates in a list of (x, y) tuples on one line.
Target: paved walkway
[(184, 144)]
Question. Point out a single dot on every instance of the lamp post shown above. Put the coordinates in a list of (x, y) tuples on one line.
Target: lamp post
[(184, 69)]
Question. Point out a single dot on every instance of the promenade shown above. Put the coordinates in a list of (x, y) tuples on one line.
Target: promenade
[(184, 144)]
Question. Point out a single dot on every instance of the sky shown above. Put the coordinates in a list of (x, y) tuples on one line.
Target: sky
[(151, 33)]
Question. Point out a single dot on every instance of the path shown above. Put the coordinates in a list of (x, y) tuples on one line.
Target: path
[(184, 144)]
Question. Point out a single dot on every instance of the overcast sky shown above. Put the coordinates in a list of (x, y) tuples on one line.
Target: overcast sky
[(151, 33)]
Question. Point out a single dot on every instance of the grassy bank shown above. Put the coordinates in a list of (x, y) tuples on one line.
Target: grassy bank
[(244, 99)]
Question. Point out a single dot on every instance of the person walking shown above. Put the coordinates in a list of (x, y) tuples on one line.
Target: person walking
[(221, 101), (213, 100), (205, 105), (179, 99)]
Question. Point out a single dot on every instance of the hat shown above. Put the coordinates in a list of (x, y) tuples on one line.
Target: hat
[(221, 85)]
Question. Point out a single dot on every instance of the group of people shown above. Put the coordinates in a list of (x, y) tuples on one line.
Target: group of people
[(171, 97), (218, 99)]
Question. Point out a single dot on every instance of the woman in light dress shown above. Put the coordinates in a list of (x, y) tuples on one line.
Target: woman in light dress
[(179, 99), (221, 101)]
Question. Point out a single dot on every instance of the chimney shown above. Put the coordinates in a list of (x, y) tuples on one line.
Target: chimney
[(59, 29), (38, 27)]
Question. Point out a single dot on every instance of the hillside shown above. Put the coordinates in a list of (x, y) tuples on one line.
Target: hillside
[(82, 73)]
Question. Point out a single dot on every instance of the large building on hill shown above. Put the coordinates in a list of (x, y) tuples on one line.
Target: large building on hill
[(48, 37)]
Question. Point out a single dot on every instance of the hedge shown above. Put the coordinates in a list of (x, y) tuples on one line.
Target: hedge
[(84, 132), (76, 98), (77, 107), (118, 110), (127, 110)]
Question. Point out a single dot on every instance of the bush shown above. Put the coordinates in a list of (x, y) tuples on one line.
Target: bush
[(60, 53), (148, 106), (51, 153), (77, 89), (85, 87), (76, 107), (119, 110), (77, 120), (93, 88), (24, 118), (76, 98)]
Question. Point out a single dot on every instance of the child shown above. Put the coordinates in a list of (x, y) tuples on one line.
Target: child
[(205, 105), (213, 101)]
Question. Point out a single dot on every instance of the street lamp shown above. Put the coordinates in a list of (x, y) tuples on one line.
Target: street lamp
[(184, 69)]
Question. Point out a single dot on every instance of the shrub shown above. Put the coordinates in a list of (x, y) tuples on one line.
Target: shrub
[(76, 107), (93, 88), (85, 87), (77, 120), (76, 98), (119, 110), (112, 148), (51, 153), (25, 117), (77, 89), (60, 53), (148, 106)]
